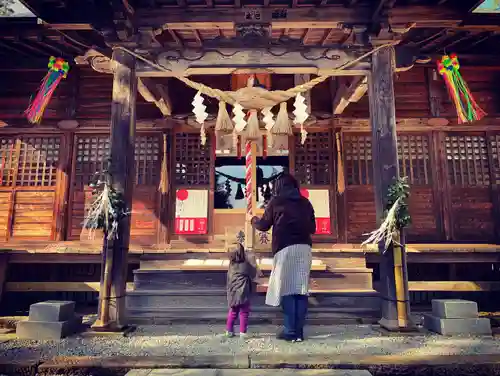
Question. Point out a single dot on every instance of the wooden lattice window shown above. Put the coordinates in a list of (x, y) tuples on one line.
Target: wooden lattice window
[(147, 160), (467, 157), (313, 160), (91, 156), (92, 153), (358, 164), (192, 160), (414, 158), (8, 162), (29, 161), (495, 151)]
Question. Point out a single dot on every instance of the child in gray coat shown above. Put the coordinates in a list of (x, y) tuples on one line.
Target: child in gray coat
[(240, 287)]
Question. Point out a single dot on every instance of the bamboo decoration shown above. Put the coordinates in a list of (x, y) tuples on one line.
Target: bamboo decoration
[(164, 183), (340, 166)]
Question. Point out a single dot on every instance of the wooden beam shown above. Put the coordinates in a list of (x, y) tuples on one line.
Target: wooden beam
[(385, 171), (226, 60), (423, 16), (56, 286), (175, 37), (155, 93), (197, 36), (349, 93), (453, 286)]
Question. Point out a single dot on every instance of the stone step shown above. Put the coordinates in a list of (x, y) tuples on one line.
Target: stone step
[(212, 263), (248, 372), (346, 278), (259, 315), (217, 298)]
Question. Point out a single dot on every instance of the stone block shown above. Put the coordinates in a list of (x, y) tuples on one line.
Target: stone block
[(52, 311), (454, 309), (44, 330), (457, 326)]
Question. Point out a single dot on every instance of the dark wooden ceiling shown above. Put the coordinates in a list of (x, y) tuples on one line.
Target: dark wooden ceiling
[(72, 27)]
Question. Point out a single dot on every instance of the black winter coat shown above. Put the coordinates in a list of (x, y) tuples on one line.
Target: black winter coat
[(292, 218)]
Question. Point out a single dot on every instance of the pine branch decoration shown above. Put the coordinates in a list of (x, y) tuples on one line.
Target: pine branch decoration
[(397, 215), (107, 210)]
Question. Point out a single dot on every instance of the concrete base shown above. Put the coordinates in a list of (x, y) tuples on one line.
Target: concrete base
[(44, 330), (52, 311), (479, 326), (454, 309)]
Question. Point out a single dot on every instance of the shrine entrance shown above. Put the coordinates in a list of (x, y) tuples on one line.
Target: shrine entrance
[(230, 196)]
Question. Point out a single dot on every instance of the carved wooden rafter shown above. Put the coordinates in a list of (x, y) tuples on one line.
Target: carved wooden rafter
[(151, 92), (351, 93), (155, 93)]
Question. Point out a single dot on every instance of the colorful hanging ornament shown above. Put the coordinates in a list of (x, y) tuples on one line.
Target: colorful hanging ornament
[(301, 116), (58, 69), (200, 111), (467, 108)]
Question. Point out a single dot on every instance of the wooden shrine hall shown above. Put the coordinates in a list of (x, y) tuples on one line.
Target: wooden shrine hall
[(378, 108)]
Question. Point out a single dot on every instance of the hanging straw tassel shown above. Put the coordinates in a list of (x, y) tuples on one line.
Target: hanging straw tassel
[(340, 167), (253, 131), (223, 123), (164, 186), (282, 125)]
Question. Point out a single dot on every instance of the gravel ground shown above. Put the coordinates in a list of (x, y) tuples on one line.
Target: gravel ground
[(207, 340)]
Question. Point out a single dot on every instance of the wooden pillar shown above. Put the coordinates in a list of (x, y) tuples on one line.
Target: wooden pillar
[(393, 274), (121, 167)]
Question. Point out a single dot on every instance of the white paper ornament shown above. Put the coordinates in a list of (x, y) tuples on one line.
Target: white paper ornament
[(199, 109), (268, 118), (200, 113), (301, 115), (300, 111), (239, 118)]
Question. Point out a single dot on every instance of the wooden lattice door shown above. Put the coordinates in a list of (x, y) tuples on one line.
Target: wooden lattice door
[(90, 156), (414, 156), (29, 173), (360, 213), (414, 153), (313, 167), (469, 182)]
